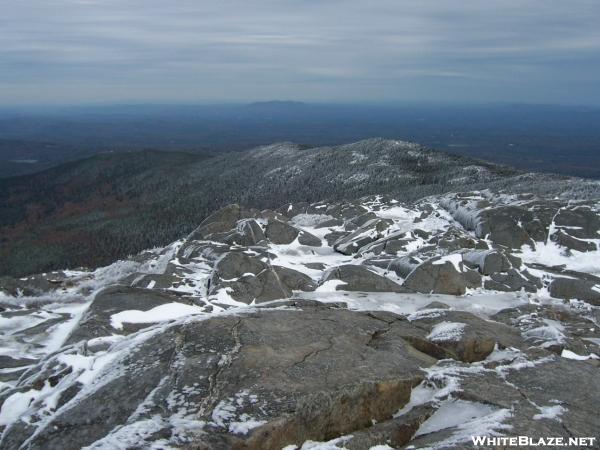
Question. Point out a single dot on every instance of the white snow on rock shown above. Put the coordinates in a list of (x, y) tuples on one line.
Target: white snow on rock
[(168, 311), (453, 413), (455, 259), (446, 331), (552, 412), (572, 355)]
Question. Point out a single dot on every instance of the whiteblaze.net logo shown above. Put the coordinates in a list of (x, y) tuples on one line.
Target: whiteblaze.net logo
[(526, 441)]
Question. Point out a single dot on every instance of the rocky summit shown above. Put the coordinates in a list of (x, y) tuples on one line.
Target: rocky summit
[(367, 324)]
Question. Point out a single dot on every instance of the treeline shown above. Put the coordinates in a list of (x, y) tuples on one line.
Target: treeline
[(91, 212)]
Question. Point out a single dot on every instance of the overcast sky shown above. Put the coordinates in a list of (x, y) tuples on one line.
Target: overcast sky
[(78, 51)]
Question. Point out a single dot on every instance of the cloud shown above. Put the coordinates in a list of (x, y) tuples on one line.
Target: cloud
[(185, 50)]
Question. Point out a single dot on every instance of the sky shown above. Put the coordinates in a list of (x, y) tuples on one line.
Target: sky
[(119, 51)]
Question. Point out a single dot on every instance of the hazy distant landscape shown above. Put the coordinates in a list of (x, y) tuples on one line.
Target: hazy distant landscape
[(561, 139)]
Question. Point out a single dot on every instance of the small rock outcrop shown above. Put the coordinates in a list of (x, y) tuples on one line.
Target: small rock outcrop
[(360, 278), (443, 275)]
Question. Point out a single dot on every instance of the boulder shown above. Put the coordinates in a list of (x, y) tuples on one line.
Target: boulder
[(502, 226), (576, 289), (513, 280), (360, 278), (33, 284), (283, 233), (404, 265), (330, 223), (248, 288), (96, 322), (572, 243), (234, 264), (335, 236), (221, 221), (443, 275), (246, 279), (391, 244), (346, 210), (247, 233), (581, 222), (306, 238), (280, 232), (359, 221), (294, 280), (455, 239), (549, 408), (458, 335), (487, 261), (371, 231)]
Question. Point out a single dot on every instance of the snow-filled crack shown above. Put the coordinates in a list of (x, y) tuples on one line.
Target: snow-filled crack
[(223, 364)]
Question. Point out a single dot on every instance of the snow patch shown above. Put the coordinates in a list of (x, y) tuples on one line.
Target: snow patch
[(446, 331), (161, 313)]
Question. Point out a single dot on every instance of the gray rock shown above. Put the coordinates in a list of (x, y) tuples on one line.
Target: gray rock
[(235, 264), (33, 284), (269, 214), (382, 262), (280, 232), (513, 280), (295, 280), (390, 244), (359, 278), (8, 362), (306, 238), (311, 374), (566, 240), (221, 221), (581, 221), (435, 305), (404, 265), (330, 223), (571, 288), (247, 233), (501, 224), (474, 342), (112, 300), (248, 279), (542, 385), (487, 261), (346, 210), (367, 233), (442, 278), (394, 432), (359, 221), (455, 239)]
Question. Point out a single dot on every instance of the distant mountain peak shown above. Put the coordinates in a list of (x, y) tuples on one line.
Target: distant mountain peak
[(276, 104)]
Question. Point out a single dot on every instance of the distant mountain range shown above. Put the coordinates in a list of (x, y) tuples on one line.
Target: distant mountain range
[(558, 139), (92, 211)]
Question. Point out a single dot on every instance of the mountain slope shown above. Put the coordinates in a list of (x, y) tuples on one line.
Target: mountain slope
[(85, 212), (368, 323), (93, 211)]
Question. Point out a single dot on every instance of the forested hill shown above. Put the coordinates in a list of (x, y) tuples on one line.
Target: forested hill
[(92, 211)]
